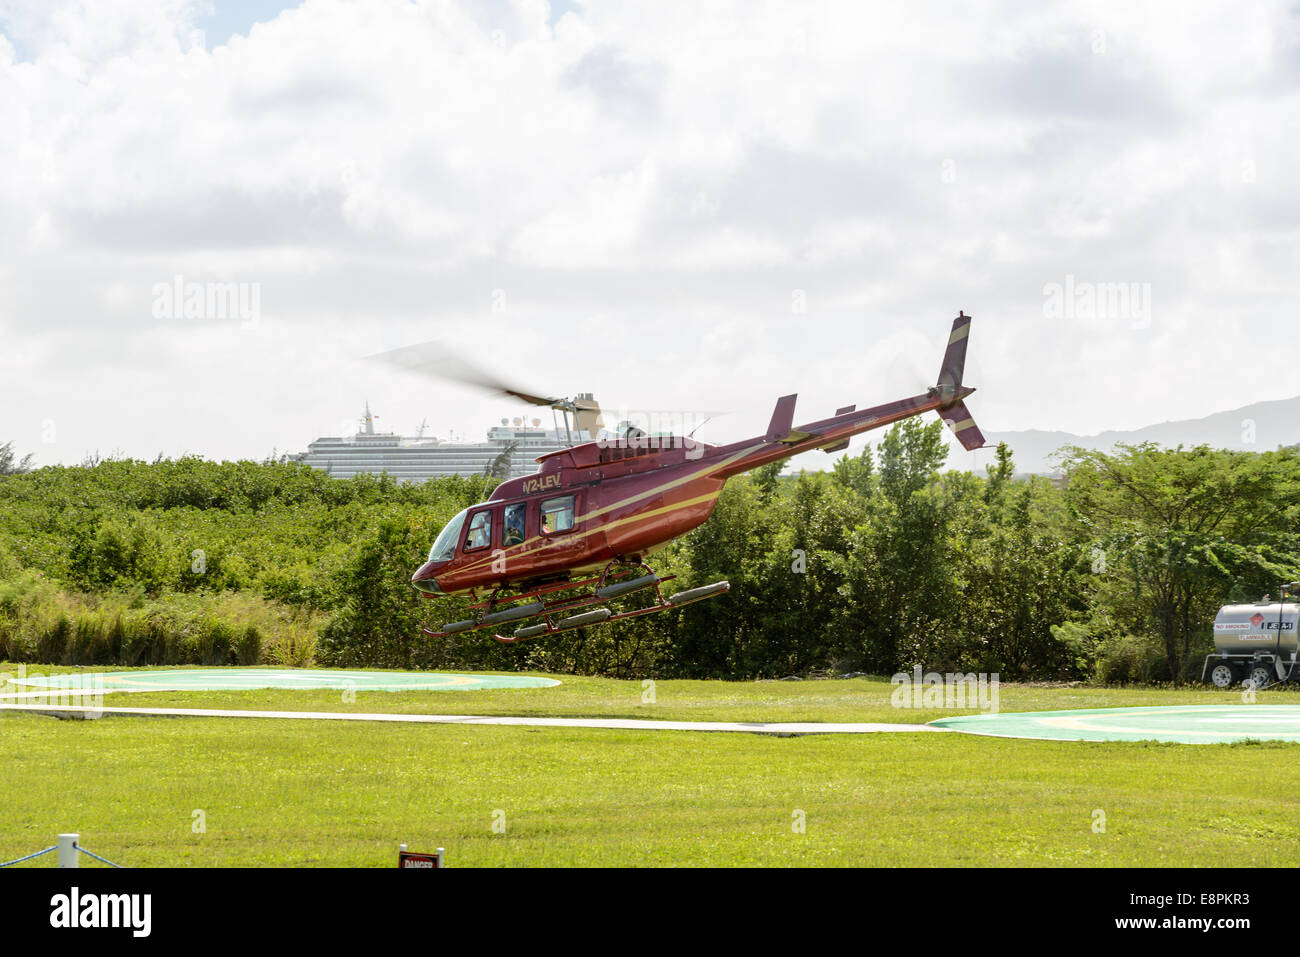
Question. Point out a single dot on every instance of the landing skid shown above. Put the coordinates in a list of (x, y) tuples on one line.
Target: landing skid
[(554, 604)]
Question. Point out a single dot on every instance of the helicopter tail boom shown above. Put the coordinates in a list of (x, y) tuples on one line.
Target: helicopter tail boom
[(783, 439)]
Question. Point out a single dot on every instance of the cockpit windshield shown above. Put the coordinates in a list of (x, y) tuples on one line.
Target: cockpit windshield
[(444, 546)]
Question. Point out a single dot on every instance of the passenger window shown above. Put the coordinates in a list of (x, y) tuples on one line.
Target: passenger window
[(480, 531), (557, 515), (512, 532)]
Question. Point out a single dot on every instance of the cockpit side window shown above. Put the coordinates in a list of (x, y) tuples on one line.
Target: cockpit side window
[(480, 530), (512, 528), (444, 546), (557, 515)]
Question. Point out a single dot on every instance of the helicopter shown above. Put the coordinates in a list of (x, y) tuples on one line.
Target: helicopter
[(545, 548)]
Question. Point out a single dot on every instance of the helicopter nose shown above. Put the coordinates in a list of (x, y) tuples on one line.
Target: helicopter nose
[(424, 581)]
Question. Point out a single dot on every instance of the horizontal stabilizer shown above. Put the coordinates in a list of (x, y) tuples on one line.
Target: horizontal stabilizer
[(795, 436), (840, 446)]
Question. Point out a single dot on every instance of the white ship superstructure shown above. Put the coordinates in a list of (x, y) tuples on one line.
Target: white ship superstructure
[(417, 459)]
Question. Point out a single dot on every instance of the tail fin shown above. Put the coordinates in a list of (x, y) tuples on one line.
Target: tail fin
[(950, 388), (954, 359)]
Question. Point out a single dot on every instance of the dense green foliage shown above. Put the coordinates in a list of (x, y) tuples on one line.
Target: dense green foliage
[(878, 565)]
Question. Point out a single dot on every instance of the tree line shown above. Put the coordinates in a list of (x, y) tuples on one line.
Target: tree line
[(884, 562)]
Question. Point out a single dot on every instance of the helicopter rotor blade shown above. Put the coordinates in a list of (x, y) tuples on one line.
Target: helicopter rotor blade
[(436, 360)]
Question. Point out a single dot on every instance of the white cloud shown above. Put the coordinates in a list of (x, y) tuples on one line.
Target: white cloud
[(640, 181)]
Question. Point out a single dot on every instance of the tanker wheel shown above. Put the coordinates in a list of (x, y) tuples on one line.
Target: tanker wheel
[(1223, 676), (1261, 676)]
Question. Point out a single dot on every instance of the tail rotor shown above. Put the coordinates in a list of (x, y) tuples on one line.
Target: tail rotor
[(952, 392)]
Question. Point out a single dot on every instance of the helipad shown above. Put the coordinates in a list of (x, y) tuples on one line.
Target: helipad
[(1192, 724), (249, 679)]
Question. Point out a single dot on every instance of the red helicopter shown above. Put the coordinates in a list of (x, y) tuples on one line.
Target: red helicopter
[(545, 548)]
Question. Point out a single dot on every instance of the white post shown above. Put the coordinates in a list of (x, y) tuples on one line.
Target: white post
[(68, 850), (442, 861)]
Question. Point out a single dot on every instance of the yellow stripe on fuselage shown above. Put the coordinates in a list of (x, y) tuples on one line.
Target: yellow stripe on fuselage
[(658, 489), (702, 472), (639, 517)]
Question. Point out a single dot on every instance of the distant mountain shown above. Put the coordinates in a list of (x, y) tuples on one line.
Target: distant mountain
[(1253, 428)]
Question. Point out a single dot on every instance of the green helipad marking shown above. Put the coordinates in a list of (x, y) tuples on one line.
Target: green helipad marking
[(1191, 724), (248, 679)]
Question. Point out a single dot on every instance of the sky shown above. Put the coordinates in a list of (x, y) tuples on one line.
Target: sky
[(211, 213)]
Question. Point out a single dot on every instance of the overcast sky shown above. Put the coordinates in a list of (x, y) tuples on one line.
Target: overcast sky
[(671, 208)]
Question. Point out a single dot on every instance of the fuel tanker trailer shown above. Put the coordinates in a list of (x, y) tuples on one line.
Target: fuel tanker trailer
[(1255, 643)]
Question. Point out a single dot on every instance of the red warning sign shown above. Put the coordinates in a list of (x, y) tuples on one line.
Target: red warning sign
[(415, 859)]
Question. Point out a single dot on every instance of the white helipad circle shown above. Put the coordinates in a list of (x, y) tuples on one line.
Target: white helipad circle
[(1188, 724), (251, 679)]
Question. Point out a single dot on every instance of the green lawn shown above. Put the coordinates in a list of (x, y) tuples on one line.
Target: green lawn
[(291, 793)]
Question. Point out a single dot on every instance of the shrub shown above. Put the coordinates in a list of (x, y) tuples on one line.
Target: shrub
[(52, 642), (214, 642), (1128, 659), (249, 649)]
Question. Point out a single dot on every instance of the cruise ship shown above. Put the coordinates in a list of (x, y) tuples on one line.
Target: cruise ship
[(417, 459)]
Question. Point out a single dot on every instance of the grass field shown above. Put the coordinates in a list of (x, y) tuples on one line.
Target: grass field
[(292, 793)]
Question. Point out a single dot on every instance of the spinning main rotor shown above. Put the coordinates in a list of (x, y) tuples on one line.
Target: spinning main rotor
[(437, 361)]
